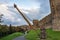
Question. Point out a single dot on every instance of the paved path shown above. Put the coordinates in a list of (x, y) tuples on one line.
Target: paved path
[(20, 38)]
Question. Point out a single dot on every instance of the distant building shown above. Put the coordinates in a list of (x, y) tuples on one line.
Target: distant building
[(24, 27)]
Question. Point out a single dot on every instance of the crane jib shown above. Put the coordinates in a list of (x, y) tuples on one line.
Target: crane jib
[(23, 16)]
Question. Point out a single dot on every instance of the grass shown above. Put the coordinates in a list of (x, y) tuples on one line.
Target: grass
[(51, 35), (12, 36), (32, 35)]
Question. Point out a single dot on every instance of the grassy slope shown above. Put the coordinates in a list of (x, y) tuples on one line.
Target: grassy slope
[(51, 35), (10, 37), (32, 35)]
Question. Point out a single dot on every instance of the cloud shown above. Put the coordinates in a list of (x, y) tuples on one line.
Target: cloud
[(32, 9), (8, 15), (4, 1), (11, 16)]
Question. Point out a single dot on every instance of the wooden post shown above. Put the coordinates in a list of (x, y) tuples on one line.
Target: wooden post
[(43, 33)]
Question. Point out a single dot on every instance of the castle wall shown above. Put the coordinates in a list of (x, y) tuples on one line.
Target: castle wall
[(55, 10)]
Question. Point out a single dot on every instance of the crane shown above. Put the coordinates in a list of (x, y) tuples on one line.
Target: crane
[(30, 25)]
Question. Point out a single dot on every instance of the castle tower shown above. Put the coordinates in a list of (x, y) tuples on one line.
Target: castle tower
[(55, 10), (36, 23)]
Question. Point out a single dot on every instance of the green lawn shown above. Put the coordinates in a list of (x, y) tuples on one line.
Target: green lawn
[(51, 35), (33, 35), (12, 36)]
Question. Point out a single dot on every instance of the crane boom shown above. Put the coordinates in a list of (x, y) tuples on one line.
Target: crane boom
[(30, 26)]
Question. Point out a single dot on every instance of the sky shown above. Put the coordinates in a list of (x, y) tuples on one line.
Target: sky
[(32, 9)]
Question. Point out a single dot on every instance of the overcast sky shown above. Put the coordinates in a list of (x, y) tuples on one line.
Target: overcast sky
[(33, 9)]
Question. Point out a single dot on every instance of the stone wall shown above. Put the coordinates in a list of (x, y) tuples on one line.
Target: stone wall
[(46, 21), (55, 10), (53, 19)]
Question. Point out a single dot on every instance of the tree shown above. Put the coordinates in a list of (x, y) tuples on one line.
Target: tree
[(10, 29), (0, 21), (1, 15), (0, 24)]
